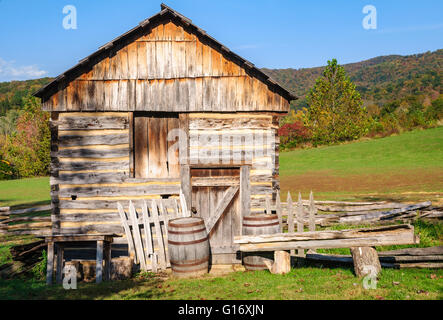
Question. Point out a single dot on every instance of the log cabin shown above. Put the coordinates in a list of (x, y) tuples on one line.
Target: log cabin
[(163, 109)]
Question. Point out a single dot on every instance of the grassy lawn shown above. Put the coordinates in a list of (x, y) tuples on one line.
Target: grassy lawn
[(300, 283), (406, 167), (25, 192)]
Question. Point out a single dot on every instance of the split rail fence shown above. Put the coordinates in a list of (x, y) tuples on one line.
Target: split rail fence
[(22, 221)]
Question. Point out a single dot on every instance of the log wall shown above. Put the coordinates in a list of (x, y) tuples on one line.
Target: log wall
[(91, 153), (235, 139), (91, 172)]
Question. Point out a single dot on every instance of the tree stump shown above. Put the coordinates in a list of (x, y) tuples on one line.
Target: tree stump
[(282, 263), (365, 261)]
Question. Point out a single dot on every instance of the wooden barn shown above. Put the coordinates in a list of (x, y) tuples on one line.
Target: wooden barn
[(163, 109)]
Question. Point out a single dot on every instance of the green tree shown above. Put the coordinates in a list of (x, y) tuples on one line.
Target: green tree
[(336, 111), (28, 149)]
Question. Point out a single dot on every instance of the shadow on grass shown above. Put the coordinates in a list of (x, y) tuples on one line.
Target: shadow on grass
[(137, 288)]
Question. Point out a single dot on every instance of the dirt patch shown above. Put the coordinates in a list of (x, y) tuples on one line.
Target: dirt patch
[(419, 181)]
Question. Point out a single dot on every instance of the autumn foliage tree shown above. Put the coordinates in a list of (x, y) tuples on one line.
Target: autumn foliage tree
[(336, 111), (28, 148)]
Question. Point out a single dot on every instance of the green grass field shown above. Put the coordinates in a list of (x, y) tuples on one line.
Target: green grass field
[(300, 284), (25, 192), (406, 167)]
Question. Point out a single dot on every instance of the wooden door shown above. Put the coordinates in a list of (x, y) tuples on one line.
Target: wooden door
[(155, 155), (215, 198)]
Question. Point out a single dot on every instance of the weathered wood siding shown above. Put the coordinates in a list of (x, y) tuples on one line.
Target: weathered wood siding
[(167, 69), (90, 172), (234, 139)]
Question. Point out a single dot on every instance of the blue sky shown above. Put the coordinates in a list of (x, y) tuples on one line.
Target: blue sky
[(269, 33)]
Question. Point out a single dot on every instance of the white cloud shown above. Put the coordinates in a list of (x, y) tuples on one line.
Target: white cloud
[(9, 71)]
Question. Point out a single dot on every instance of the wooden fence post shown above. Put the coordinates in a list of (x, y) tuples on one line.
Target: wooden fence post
[(278, 209), (290, 216), (312, 212), (300, 222)]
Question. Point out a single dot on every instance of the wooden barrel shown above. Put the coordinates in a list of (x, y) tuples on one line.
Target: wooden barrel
[(188, 247), (255, 225)]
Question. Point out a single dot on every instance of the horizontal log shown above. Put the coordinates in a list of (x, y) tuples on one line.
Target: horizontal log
[(386, 262), (411, 258), (29, 226), (92, 123), (95, 191), (111, 228), (384, 214), (3, 209), (91, 153), (214, 181), (324, 235), (246, 122), (39, 232), (361, 208), (414, 251), (91, 166), (109, 204), (80, 140), (27, 210), (36, 219), (93, 177), (381, 236), (421, 265)]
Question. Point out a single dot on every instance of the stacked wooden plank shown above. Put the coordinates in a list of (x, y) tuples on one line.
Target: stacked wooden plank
[(21, 221), (431, 257)]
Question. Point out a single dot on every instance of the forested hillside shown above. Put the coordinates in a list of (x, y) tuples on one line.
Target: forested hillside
[(379, 80), (12, 93), (372, 98)]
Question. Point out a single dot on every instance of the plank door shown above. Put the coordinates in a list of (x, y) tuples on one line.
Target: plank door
[(155, 149), (209, 188)]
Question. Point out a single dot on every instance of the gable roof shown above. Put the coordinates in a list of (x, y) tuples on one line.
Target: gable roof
[(166, 12)]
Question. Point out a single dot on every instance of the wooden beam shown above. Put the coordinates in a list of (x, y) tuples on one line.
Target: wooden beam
[(382, 236), (221, 207), (245, 191), (99, 262), (186, 189), (50, 263)]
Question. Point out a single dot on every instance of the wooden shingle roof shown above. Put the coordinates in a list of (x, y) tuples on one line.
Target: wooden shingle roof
[(166, 13)]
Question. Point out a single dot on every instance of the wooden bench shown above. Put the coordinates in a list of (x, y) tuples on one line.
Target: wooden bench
[(361, 242), (103, 243)]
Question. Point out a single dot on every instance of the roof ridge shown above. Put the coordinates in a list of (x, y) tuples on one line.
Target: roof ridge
[(164, 10)]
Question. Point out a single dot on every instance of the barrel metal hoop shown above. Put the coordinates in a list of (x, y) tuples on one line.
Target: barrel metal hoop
[(261, 225), (187, 242), (186, 225), (189, 271), (253, 218), (186, 232), (189, 263)]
